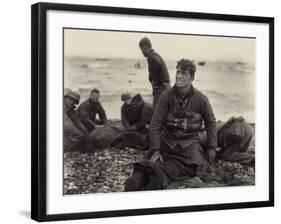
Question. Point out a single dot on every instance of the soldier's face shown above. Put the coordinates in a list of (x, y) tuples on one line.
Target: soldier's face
[(144, 49), (70, 102), (95, 97), (183, 78)]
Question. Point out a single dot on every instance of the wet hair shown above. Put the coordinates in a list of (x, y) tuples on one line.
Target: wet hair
[(187, 65), (145, 41), (95, 91)]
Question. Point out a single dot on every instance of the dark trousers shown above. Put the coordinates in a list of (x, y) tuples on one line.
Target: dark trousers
[(157, 91)]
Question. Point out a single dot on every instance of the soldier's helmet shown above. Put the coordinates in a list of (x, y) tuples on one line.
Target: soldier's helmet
[(73, 94)]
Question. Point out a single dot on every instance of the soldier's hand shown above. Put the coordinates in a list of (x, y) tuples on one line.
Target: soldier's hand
[(156, 155), (211, 155)]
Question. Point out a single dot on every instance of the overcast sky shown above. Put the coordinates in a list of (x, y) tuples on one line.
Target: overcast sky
[(93, 43)]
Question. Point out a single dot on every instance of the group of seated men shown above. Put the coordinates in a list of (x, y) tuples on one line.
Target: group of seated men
[(184, 137), (79, 123)]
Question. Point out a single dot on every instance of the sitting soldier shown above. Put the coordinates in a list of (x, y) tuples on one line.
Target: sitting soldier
[(89, 109), (174, 135), (176, 149), (234, 138), (75, 135), (135, 113)]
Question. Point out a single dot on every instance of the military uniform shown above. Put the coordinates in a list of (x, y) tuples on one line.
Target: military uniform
[(136, 115), (234, 137), (158, 75), (87, 113), (174, 131), (73, 130)]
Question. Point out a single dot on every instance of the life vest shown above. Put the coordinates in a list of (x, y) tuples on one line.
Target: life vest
[(191, 122)]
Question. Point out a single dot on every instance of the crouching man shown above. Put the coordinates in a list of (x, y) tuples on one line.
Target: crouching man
[(234, 138), (135, 117), (135, 113), (75, 135), (89, 109), (174, 135)]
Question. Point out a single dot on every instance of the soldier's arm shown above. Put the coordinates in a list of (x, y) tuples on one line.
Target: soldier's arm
[(69, 127), (102, 115), (210, 124), (145, 116), (85, 119), (158, 120), (154, 68), (124, 119), (77, 123)]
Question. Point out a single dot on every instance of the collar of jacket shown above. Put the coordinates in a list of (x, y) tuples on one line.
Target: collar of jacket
[(189, 94), (93, 103), (150, 52)]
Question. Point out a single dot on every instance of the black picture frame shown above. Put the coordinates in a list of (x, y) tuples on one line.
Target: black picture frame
[(39, 108)]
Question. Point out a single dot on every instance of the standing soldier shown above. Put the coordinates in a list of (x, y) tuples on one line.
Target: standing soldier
[(89, 109), (174, 135), (158, 72)]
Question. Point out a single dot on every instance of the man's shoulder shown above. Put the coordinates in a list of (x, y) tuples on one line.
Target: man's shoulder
[(166, 94), (99, 105), (123, 107), (199, 94), (154, 57), (169, 91), (147, 106), (85, 103)]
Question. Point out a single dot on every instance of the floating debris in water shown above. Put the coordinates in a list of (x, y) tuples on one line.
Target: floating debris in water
[(201, 63)]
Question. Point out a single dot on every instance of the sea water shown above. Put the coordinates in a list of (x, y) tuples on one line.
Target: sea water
[(229, 86)]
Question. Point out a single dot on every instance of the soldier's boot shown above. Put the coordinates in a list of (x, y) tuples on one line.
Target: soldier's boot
[(135, 182)]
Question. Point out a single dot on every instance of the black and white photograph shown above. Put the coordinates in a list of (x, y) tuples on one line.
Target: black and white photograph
[(143, 111), (140, 111), (147, 111)]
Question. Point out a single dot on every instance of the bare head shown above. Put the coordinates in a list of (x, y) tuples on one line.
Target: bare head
[(95, 95), (145, 46), (185, 73)]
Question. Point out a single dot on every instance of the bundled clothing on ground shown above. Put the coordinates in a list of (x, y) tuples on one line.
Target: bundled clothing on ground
[(136, 116), (88, 112), (111, 136), (158, 75)]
